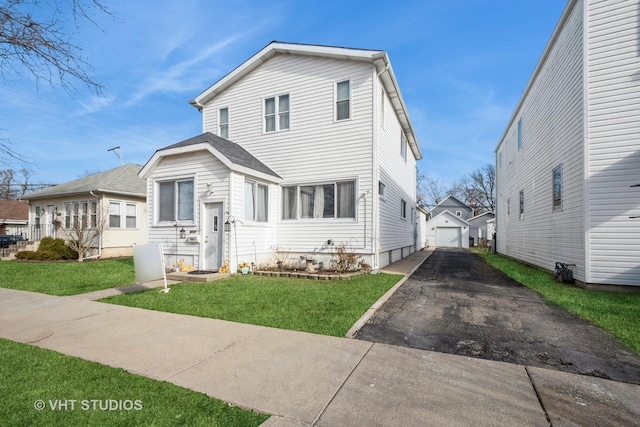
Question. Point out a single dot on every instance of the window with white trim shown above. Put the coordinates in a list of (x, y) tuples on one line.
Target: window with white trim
[(319, 201), (276, 113), (175, 200), (81, 213), (557, 188), (114, 215), (343, 100), (256, 201), (223, 123)]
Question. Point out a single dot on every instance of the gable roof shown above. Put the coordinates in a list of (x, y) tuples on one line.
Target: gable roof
[(453, 216), (13, 210), (121, 180), (442, 202), (232, 155), (378, 58)]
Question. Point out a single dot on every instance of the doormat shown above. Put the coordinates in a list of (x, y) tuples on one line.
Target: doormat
[(202, 272)]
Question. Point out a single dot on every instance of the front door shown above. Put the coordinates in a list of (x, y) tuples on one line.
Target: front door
[(213, 233)]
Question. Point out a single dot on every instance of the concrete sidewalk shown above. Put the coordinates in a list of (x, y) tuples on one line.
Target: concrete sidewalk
[(306, 379)]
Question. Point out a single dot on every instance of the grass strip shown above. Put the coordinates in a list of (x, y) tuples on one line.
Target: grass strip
[(321, 307), (44, 388), (66, 278), (616, 312)]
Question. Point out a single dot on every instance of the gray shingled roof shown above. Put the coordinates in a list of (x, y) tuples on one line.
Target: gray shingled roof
[(234, 152), (123, 179)]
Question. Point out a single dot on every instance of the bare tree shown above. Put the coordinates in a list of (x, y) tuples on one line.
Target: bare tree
[(483, 183), (34, 40), (431, 191), (84, 228), (14, 183)]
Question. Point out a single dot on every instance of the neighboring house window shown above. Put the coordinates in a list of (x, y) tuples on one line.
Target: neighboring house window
[(38, 216), (276, 113), (331, 200), (557, 188), (256, 201), (175, 200), (223, 123), (519, 134), (114, 214), (403, 146), (289, 205), (132, 215), (403, 208), (76, 214), (93, 214), (67, 215), (458, 213), (413, 218), (381, 188), (343, 100), (521, 204)]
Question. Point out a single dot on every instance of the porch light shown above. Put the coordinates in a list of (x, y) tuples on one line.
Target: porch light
[(227, 226), (183, 233)]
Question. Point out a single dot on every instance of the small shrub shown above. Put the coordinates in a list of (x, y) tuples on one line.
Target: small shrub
[(26, 255), (346, 260), (57, 246)]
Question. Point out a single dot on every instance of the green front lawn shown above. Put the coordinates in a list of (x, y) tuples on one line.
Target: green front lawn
[(618, 313), (66, 278), (322, 307), (43, 388)]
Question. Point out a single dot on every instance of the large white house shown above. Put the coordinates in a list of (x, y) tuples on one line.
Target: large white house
[(568, 161), (305, 148)]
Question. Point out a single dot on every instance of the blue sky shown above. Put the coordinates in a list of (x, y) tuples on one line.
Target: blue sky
[(461, 66)]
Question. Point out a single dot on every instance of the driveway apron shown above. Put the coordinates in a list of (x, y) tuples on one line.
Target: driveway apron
[(456, 303)]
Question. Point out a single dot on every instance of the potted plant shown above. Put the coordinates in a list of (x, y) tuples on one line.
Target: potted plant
[(244, 268)]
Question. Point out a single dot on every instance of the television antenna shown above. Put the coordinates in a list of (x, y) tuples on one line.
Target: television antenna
[(119, 153)]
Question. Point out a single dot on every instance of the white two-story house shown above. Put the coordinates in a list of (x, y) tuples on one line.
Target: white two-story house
[(568, 164), (305, 148)]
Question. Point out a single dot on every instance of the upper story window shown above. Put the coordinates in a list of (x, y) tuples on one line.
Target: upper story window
[(175, 200), (557, 188), (276, 113), (256, 201), (223, 123), (343, 100), (519, 134), (459, 213), (403, 146)]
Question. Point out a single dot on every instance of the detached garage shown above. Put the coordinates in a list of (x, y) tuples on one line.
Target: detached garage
[(447, 230)]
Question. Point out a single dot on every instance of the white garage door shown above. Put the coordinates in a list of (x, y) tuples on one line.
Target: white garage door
[(450, 237)]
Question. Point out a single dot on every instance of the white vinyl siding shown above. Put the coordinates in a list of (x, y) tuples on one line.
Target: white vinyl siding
[(546, 130), (315, 149), (613, 157)]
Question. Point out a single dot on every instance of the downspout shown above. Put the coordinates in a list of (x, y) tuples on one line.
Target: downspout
[(375, 199), (100, 234)]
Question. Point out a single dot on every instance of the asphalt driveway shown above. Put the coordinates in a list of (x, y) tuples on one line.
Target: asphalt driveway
[(456, 303)]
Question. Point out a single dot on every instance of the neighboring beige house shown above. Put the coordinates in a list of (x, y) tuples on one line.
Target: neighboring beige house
[(304, 148), (118, 193)]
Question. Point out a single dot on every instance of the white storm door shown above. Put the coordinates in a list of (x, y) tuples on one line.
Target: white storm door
[(213, 234)]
